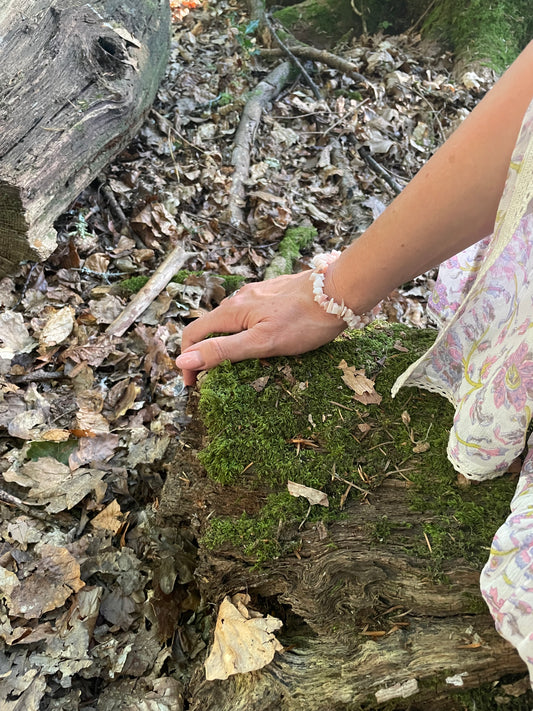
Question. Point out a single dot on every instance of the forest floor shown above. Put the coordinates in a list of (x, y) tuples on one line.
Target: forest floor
[(89, 421)]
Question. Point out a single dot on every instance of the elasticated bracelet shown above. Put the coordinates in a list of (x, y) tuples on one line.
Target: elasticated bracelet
[(321, 263)]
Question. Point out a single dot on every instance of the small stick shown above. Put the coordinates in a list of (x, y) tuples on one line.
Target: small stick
[(379, 169), (155, 285), (323, 56)]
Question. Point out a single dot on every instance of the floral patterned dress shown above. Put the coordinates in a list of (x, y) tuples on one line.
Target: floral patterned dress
[(482, 361)]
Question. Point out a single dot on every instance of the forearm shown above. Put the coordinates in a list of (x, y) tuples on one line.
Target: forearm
[(450, 204)]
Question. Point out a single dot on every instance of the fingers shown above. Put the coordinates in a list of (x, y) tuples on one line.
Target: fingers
[(206, 354), (224, 319)]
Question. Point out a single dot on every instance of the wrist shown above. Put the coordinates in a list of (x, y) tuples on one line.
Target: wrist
[(334, 300)]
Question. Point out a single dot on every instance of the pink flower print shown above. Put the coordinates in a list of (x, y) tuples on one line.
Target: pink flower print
[(514, 382)]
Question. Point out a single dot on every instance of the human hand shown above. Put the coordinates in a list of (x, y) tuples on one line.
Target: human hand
[(269, 318)]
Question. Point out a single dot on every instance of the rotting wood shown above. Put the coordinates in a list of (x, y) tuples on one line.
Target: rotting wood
[(76, 80), (337, 588), (266, 91), (150, 291)]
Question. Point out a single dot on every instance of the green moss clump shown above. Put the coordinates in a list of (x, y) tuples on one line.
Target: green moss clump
[(304, 426), (294, 240)]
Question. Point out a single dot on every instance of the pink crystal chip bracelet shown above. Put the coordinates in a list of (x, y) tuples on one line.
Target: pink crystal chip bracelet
[(321, 263)]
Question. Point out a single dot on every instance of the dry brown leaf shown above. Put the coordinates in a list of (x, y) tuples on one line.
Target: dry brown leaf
[(110, 519), (107, 309), (57, 328), (14, 335), (127, 399), (55, 435), (260, 384), (52, 483), (362, 386), (52, 581), (244, 640), (421, 447), (93, 449), (314, 496)]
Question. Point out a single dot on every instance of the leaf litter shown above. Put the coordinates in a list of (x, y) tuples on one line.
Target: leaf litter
[(98, 606)]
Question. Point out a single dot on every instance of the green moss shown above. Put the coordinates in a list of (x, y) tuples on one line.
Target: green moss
[(294, 240), (476, 29), (230, 282), (304, 426)]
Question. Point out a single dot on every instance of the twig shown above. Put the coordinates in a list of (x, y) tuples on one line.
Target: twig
[(154, 286), (38, 376), (265, 92), (320, 55), (379, 169), (316, 91)]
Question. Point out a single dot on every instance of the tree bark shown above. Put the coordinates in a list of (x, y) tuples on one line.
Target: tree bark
[(76, 80), (334, 600)]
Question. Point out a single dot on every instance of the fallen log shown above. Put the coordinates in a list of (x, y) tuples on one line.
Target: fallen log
[(76, 80), (378, 593)]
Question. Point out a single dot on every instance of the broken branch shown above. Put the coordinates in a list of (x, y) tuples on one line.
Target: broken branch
[(153, 287), (265, 92)]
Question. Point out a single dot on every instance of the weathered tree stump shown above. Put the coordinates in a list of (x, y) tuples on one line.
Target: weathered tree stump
[(76, 80), (380, 604)]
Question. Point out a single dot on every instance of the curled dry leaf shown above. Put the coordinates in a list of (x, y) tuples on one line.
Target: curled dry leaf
[(362, 386), (58, 327), (244, 640), (52, 483), (314, 496)]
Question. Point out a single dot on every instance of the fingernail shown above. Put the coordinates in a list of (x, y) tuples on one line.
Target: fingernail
[(190, 361)]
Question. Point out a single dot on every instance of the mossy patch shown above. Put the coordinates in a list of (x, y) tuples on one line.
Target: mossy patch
[(294, 240), (304, 425), (230, 282)]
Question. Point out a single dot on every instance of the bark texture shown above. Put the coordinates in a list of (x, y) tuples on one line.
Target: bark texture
[(76, 80)]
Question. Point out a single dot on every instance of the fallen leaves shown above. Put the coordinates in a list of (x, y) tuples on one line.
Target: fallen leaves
[(48, 583), (244, 640), (363, 387)]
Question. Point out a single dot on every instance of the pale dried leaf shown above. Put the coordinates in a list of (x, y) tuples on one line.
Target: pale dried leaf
[(242, 642), (55, 435), (57, 328), (14, 335), (421, 447), (53, 580), (314, 496), (107, 309), (148, 451), (362, 386), (26, 425), (110, 519)]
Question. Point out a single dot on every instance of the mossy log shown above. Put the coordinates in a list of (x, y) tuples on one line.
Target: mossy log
[(378, 593), (76, 80)]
